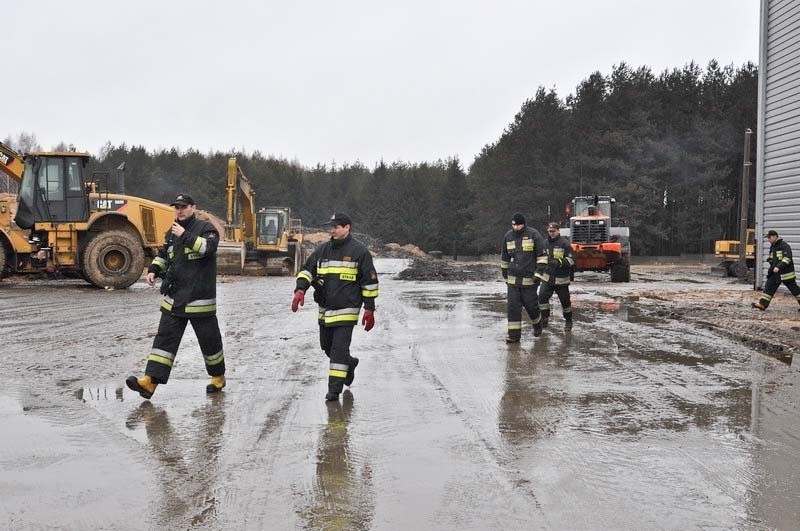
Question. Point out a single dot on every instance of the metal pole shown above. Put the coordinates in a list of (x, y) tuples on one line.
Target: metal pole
[(743, 208)]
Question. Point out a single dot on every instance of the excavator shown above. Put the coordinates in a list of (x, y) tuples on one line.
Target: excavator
[(63, 223), (257, 243)]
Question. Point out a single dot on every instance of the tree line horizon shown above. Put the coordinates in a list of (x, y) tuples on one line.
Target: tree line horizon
[(668, 146)]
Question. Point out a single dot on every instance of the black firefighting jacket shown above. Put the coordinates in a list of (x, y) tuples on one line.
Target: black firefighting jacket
[(187, 266), (560, 260), (344, 278), (780, 256), (523, 253)]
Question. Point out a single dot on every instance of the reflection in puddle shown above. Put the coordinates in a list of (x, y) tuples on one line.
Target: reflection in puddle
[(343, 498)]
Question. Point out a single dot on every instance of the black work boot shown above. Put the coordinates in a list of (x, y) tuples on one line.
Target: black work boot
[(545, 319), (330, 397), (568, 322), (537, 328), (351, 372)]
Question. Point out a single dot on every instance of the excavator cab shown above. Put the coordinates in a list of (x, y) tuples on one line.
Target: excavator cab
[(52, 189), (271, 224)]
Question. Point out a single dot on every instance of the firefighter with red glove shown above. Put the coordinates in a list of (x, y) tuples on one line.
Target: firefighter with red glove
[(344, 278)]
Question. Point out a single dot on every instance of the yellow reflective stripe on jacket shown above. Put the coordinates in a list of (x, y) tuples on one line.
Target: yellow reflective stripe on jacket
[(342, 318), (527, 244), (337, 270), (542, 259), (159, 263), (511, 245), (788, 276), (201, 309), (305, 274), (199, 245), (166, 305), (562, 281), (370, 290), (503, 265)]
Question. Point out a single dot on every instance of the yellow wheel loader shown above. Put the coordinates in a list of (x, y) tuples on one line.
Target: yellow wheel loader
[(264, 242), (61, 222)]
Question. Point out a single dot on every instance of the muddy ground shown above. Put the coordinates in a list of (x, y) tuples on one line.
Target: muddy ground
[(671, 405)]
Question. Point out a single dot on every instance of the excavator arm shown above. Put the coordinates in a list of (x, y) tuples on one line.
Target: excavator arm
[(11, 162), (241, 209)]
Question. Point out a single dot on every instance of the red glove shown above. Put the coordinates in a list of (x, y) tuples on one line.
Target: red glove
[(368, 320), (299, 299)]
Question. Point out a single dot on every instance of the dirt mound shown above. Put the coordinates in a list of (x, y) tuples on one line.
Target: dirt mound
[(423, 268), (218, 223), (395, 250)]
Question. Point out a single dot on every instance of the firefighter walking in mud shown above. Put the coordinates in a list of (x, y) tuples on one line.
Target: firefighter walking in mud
[(556, 276), (344, 279), (781, 270), (187, 266), (523, 253)]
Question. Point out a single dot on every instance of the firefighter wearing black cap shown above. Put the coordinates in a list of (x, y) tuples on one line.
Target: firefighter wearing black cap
[(556, 277), (522, 254), (187, 266), (781, 270), (344, 279)]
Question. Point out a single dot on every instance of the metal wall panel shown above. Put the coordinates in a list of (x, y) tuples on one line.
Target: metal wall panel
[(778, 149)]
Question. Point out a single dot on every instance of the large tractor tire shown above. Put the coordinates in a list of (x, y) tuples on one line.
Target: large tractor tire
[(621, 271), (113, 259)]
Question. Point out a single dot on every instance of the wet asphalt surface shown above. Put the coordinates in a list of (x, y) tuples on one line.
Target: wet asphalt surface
[(631, 421)]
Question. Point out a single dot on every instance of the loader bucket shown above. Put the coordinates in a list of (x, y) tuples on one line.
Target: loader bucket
[(230, 258)]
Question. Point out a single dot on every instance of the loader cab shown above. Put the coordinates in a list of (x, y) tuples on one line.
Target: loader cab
[(52, 189)]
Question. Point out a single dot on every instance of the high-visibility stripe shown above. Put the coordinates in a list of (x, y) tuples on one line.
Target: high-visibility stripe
[(511, 246), (527, 246), (202, 302), (304, 274), (336, 270), (338, 263), (214, 359), (567, 310), (163, 353), (541, 259), (197, 246), (544, 306), (788, 276), (370, 293), (562, 281), (339, 367), (341, 318), (570, 261), (159, 263), (338, 374), (515, 325), (503, 265), (201, 309), (166, 305), (545, 277), (158, 359), (766, 297)]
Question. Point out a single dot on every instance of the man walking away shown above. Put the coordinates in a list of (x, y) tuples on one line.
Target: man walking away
[(781, 270), (188, 269)]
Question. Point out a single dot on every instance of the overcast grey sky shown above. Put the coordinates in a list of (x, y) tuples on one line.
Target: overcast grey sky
[(323, 81)]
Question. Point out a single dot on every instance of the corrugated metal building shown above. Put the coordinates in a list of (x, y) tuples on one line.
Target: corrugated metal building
[(778, 166)]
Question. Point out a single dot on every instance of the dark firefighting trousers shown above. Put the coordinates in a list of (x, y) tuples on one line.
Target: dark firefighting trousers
[(519, 297), (771, 286), (546, 292), (168, 339), (335, 341)]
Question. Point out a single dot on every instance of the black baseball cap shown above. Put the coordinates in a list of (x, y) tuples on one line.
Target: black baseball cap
[(772, 233), (553, 225), (182, 199), (518, 219), (338, 218)]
